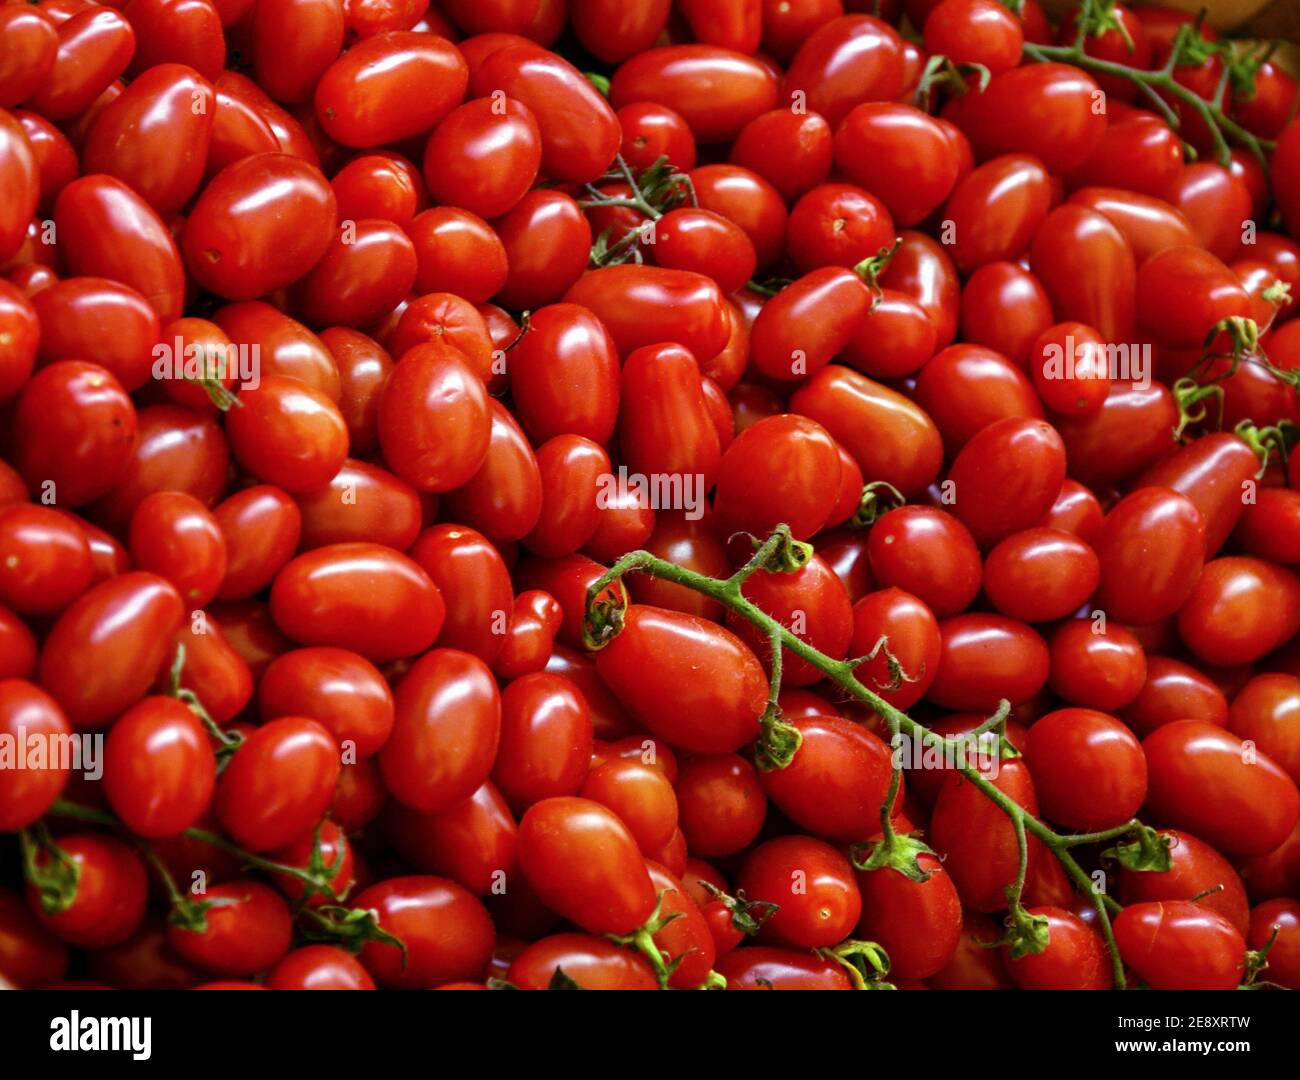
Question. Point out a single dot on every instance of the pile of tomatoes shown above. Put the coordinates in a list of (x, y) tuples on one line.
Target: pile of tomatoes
[(346, 344)]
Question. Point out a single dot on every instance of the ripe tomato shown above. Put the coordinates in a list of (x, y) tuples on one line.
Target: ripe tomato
[(1178, 945), (1088, 768), (248, 928), (764, 967), (45, 559), (319, 967), (986, 658), (339, 689), (844, 62), (546, 739), (594, 963), (996, 209), (721, 804), (159, 772), (811, 883), (672, 651), (928, 553), (34, 724), (1040, 574), (111, 892), (1075, 957), (918, 923), (1239, 609), (1196, 871)]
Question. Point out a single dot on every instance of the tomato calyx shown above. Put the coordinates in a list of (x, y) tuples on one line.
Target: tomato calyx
[(1191, 398), (348, 928), (870, 269), (1026, 934), (599, 81), (747, 916), (1147, 850), (56, 881), (1101, 19), (642, 940), (900, 852), (878, 498), (605, 611), (658, 188), (1268, 442), (941, 72), (865, 962)]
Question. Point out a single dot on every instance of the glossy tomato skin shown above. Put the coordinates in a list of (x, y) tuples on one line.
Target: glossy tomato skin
[(1199, 780), (27, 713), (261, 526), (805, 325), (364, 272), (976, 839), (1240, 609), (33, 45), (530, 637), (1182, 293), (546, 739), (1197, 870), (721, 804), (155, 136), (547, 240), (288, 434), (359, 596), (594, 963), (278, 784), (319, 967), (996, 209), (434, 419), (661, 649), (642, 797), (985, 658), (1089, 770), (889, 436), (985, 383), (836, 756), (339, 689), (1075, 957), (175, 536), (580, 132), (813, 885), (895, 908), (104, 651), (23, 326), (248, 929), (261, 223), (507, 494), (1040, 574), (474, 582), (1007, 477), (1088, 269), (665, 425), (583, 863), (928, 553), (45, 559), (483, 156), (1129, 433), (766, 967), (390, 87), (112, 888), (913, 641), (1178, 945), (844, 62), (792, 152), (159, 771), (361, 502), (447, 729), (94, 48)]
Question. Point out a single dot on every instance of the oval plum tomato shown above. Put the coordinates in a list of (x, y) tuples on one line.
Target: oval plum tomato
[(928, 553), (30, 956), (846, 61), (94, 47), (1088, 269), (791, 151), (1276, 924), (1075, 957), (507, 494), (811, 883), (918, 923), (1174, 691), (716, 91), (1179, 945), (642, 797), (483, 156), (107, 647), (1206, 780), (900, 155), (1007, 477), (896, 339), (1040, 574), (1183, 293), (804, 326), (546, 740), (665, 427), (341, 690), (74, 432), (378, 185), (1240, 609), (690, 238), (837, 225), (910, 635), (369, 267), (45, 559), (774, 472), (1070, 366), (1265, 712), (261, 223), (593, 963), (319, 967), (975, 32), (530, 637), (976, 839), (547, 240), (278, 784), (159, 771), (475, 584), (247, 929), (1055, 105), (446, 733), (34, 724), (765, 967), (32, 45), (17, 646), (836, 782), (1005, 308), (580, 132), (361, 502), (710, 689), (22, 325), (922, 269), (1197, 872), (1088, 769), (1149, 224), (261, 526), (1098, 665), (985, 658), (988, 386), (288, 434), (434, 419), (176, 537), (360, 596), (891, 437), (652, 131), (155, 136), (583, 863), (111, 892), (812, 603), (721, 804)]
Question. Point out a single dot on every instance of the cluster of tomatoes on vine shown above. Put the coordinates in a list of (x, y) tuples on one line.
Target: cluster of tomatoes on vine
[(347, 345)]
